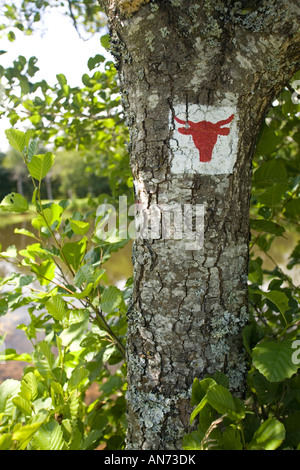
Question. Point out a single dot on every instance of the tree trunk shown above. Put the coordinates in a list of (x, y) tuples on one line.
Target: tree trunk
[(197, 79), (49, 187), (20, 184)]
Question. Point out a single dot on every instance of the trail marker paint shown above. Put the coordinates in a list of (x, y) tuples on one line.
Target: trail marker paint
[(207, 142)]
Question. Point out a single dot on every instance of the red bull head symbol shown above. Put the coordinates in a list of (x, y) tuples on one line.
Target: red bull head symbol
[(205, 134)]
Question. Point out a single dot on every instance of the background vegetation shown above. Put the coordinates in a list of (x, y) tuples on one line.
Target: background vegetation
[(76, 318)]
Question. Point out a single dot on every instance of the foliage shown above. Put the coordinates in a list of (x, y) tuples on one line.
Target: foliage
[(60, 275), (88, 119), (25, 15), (61, 279), (268, 418)]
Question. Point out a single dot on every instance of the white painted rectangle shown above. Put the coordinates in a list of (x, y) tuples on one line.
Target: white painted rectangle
[(204, 139)]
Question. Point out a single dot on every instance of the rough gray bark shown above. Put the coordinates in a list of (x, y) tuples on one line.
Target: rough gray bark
[(189, 306)]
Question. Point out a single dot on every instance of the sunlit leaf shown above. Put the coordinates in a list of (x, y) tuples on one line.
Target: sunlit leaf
[(74, 252), (274, 360), (269, 436), (49, 437), (79, 227), (14, 202), (40, 165), (56, 306), (45, 271), (16, 139), (222, 400)]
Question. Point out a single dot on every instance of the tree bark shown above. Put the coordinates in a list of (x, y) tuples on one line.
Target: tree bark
[(195, 61)]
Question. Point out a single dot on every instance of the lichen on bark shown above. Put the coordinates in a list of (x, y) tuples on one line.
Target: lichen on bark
[(189, 307)]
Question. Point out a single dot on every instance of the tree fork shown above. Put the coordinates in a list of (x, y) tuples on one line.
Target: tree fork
[(177, 58)]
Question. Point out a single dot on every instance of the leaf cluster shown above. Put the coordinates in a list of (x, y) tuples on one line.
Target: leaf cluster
[(88, 119), (61, 278)]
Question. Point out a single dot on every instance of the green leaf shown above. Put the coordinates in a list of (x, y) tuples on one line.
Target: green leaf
[(92, 439), (250, 337), (261, 225), (56, 306), (197, 392), (231, 439), (84, 274), (73, 335), (11, 36), (14, 202), (269, 436), (24, 84), (268, 141), (16, 139), (31, 149), (23, 405), (221, 400), (49, 437), (29, 386), (272, 195), (52, 214), (33, 251), (94, 61), (8, 390), (45, 349), (5, 441), (270, 173), (274, 360), (23, 231), (40, 165), (79, 227), (74, 403), (44, 359), (82, 294), (278, 298), (192, 441), (105, 41), (265, 390), (292, 427), (79, 374), (51, 218), (11, 355), (61, 79), (25, 433), (113, 383), (32, 68), (74, 252), (115, 357), (11, 252), (111, 299), (86, 80), (220, 378), (292, 209), (45, 271), (255, 271), (205, 384)]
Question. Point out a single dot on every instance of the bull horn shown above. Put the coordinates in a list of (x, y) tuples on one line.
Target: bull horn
[(226, 121)]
